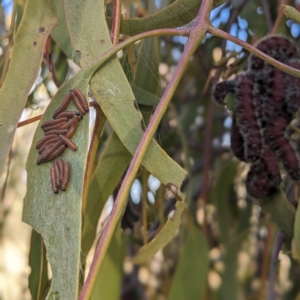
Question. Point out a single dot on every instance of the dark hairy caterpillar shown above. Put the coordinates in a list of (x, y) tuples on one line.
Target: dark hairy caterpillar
[(286, 153), (246, 119), (237, 141), (221, 90)]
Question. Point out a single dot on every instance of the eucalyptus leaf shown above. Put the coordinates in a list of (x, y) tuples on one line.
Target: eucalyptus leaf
[(192, 269), (222, 193), (281, 211), (109, 171), (57, 217), (38, 281), (37, 23), (177, 14), (163, 237)]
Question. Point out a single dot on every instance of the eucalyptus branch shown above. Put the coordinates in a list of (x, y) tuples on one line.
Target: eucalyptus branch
[(116, 21), (197, 34), (277, 64), (91, 158)]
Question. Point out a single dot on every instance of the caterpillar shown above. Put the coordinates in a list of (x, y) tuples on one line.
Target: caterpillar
[(221, 90), (66, 176), (69, 114), (274, 136), (46, 144), (246, 117), (258, 184), (60, 165), (55, 153), (43, 140), (56, 132), (278, 47), (53, 122), (55, 127), (237, 141), (63, 106), (68, 142), (73, 128), (293, 89), (57, 174), (53, 180), (80, 96)]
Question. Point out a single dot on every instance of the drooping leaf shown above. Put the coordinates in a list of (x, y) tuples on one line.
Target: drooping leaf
[(144, 97), (163, 237), (60, 34), (37, 23), (109, 171), (297, 233), (177, 14), (191, 272), (222, 193), (229, 279), (111, 89), (38, 281), (281, 211)]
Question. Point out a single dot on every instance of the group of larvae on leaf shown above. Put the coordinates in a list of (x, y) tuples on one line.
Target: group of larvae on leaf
[(265, 101), (58, 133)]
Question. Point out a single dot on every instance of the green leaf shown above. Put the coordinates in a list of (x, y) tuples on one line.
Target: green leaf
[(229, 280), (297, 233), (60, 34), (222, 193), (144, 97), (291, 13), (112, 90), (282, 212), (109, 279), (163, 237), (177, 14), (38, 21), (191, 272), (57, 217), (110, 169), (38, 281)]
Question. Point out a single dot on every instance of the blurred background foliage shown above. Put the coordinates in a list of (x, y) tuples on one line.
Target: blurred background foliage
[(227, 247)]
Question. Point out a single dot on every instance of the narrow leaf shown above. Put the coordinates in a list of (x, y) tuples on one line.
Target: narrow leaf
[(38, 21), (177, 14), (164, 236), (191, 272), (109, 171), (38, 281), (281, 211), (222, 192), (229, 279)]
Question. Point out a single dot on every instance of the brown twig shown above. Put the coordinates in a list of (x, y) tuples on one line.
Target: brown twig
[(272, 277), (28, 121), (116, 21), (91, 158), (265, 265), (233, 18), (279, 16), (266, 8)]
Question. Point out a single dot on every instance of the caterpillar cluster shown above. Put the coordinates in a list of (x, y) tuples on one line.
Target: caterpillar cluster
[(58, 133), (60, 175), (265, 100)]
